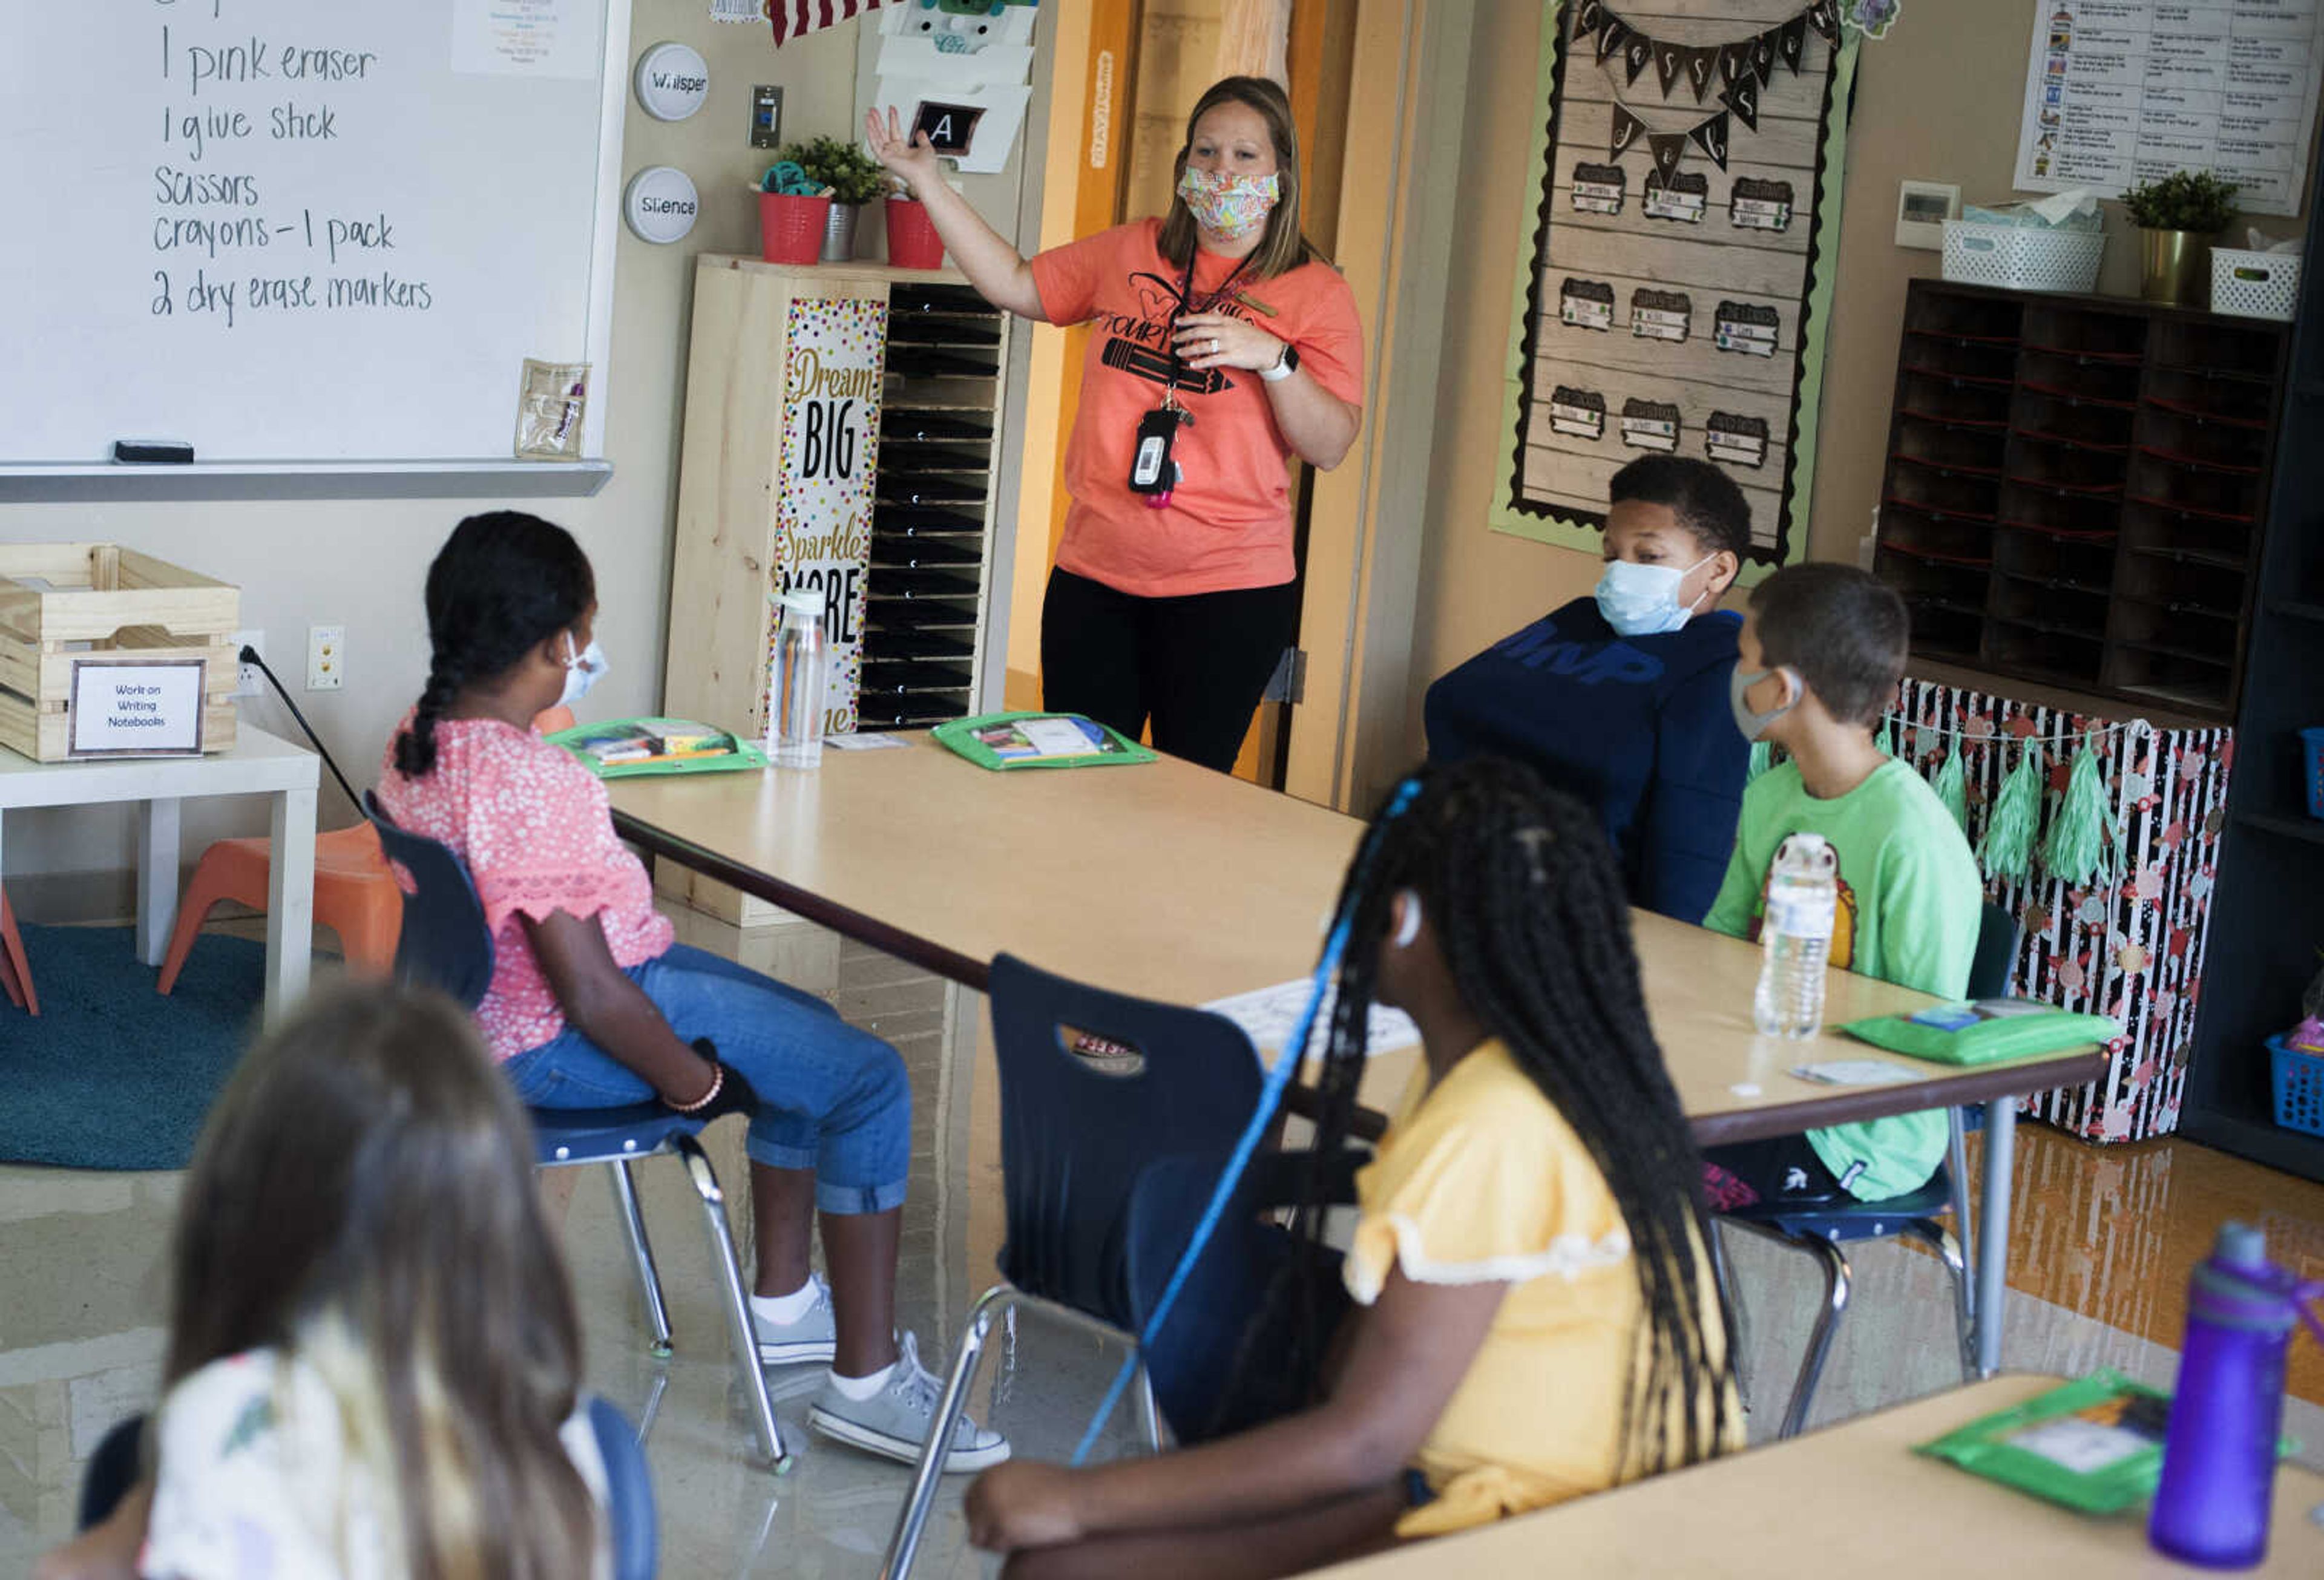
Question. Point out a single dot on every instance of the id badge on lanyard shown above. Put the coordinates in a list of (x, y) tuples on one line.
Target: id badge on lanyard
[(1154, 471)]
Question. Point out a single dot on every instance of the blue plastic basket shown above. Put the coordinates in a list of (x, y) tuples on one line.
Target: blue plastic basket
[(2311, 757), (2299, 1078)]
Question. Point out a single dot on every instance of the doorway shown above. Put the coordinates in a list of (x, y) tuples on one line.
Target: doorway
[(1145, 62)]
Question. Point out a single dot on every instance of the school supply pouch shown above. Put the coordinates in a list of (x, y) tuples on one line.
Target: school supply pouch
[(1983, 1033), (1038, 740), (621, 748), (2094, 1444)]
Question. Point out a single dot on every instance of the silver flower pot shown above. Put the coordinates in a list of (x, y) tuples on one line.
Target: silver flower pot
[(839, 232)]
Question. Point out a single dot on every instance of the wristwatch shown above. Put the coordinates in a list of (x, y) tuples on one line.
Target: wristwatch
[(1284, 365)]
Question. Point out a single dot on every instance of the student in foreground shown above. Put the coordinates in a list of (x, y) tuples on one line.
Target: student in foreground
[(1621, 698), (373, 1350), (594, 1005), (1535, 1314), (1823, 652)]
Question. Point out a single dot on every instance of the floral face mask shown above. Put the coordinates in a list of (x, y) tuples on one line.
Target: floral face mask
[(1228, 205)]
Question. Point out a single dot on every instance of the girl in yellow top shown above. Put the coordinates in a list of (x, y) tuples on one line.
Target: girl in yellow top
[(1535, 1314)]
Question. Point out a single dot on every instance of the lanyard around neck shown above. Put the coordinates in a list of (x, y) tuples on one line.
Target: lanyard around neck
[(1187, 305)]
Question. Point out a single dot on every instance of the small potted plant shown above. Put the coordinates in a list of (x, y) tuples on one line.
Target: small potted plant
[(853, 177), (2177, 218)]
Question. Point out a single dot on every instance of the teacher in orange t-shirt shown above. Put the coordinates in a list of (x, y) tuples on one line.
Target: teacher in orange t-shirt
[(1224, 346)]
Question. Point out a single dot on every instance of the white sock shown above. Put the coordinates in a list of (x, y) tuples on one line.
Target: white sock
[(782, 1310), (859, 1388)]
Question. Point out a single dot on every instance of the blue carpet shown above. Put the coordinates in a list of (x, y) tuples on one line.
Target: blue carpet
[(112, 1075)]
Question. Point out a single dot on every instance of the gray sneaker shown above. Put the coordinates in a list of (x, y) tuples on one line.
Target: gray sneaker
[(813, 1337), (896, 1420)]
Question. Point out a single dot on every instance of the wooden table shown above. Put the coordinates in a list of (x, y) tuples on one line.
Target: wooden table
[(1171, 882), (1849, 1499), (257, 764)]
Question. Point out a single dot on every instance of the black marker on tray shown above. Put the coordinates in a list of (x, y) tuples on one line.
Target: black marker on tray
[(153, 452)]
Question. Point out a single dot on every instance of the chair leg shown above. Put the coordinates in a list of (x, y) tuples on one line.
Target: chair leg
[(1827, 1326), (906, 1541), (634, 1223), (201, 894), (1731, 1311), (738, 1306), (1150, 1414), (1937, 1238), (1957, 1159)]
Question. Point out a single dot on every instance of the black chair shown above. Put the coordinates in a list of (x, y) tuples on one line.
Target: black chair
[(1821, 1227), (447, 944), (633, 1525), (1116, 1118)]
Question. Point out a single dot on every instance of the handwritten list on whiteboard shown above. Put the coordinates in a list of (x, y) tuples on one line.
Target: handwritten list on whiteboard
[(2118, 92)]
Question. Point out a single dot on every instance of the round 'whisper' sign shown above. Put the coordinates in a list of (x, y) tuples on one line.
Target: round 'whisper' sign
[(672, 81)]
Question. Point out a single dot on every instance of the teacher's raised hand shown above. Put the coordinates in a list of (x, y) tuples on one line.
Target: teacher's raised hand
[(912, 157)]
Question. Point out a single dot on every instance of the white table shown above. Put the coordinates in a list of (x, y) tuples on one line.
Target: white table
[(259, 763)]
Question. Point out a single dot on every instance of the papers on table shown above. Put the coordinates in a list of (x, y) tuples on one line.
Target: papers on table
[(1268, 1015)]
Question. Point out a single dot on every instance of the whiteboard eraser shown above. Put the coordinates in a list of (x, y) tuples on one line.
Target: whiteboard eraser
[(153, 452)]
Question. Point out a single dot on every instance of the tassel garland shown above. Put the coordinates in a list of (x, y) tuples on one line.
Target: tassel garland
[(2007, 849), (1952, 787), (2082, 833)]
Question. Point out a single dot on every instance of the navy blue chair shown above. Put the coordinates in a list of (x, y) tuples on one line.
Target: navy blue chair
[(631, 1522), (1117, 1115), (447, 944), (1821, 1227)]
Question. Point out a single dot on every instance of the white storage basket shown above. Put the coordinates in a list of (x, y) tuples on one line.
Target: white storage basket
[(2022, 257), (2254, 285)]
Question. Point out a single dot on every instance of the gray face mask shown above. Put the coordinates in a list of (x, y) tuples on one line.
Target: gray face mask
[(1754, 725)]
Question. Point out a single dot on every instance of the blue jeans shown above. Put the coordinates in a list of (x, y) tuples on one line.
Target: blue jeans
[(831, 1099)]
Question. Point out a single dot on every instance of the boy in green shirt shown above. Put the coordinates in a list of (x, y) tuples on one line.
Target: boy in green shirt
[(1821, 654)]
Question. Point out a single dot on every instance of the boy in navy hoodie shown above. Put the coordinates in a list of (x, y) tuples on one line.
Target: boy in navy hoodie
[(1621, 698)]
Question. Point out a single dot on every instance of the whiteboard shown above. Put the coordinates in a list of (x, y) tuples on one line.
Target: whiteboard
[(302, 231)]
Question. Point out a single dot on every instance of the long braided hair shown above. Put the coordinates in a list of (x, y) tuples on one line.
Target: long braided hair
[(1530, 914), (503, 581)]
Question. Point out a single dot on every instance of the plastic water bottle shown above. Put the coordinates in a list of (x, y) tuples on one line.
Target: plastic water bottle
[(796, 684), (1795, 934), (2218, 1452)]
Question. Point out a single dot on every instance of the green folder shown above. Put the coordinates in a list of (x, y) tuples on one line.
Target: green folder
[(653, 737), (1008, 741)]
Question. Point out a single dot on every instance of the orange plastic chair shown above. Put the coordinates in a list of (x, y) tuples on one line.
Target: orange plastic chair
[(355, 893), (15, 974)]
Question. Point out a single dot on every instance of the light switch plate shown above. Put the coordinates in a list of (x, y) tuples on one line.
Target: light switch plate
[(766, 116), (1921, 209)]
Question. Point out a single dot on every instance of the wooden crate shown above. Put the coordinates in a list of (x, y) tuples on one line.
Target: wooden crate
[(60, 602)]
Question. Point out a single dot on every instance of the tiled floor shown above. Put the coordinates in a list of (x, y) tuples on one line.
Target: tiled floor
[(2103, 1243)]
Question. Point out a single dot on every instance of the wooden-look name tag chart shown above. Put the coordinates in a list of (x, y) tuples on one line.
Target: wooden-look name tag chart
[(133, 709)]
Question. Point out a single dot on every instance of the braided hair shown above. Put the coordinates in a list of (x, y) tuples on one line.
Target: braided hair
[(503, 581), (1534, 923)]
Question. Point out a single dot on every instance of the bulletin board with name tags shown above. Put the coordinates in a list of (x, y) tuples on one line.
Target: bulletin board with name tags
[(1676, 279)]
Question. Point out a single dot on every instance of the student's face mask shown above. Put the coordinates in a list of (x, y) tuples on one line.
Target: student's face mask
[(581, 671), (1755, 724), (1228, 205), (1642, 601)]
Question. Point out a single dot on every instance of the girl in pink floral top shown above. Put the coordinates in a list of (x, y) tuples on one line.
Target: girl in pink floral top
[(592, 1005)]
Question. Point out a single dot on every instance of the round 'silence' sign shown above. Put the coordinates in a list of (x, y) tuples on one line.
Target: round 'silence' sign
[(660, 204)]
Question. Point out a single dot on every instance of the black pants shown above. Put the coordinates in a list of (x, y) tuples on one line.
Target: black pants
[(1196, 666)]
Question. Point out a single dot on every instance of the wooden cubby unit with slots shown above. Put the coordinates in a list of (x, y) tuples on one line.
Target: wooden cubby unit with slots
[(2077, 490)]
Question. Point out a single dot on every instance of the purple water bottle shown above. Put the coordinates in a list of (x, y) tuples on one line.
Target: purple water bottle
[(2219, 1455)]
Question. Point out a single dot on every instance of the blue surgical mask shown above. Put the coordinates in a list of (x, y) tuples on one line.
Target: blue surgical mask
[(1755, 724), (581, 671), (1642, 601)]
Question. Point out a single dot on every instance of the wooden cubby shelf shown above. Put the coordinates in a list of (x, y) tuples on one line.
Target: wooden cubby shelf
[(2077, 487)]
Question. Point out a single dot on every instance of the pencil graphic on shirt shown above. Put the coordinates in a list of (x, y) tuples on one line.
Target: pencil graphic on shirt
[(1155, 367)]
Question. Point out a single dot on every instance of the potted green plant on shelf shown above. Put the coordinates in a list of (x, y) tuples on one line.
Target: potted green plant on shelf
[(2177, 216), (854, 179)]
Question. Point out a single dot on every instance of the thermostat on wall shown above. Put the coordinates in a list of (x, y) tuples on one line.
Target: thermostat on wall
[(672, 80), (1921, 209), (660, 204)]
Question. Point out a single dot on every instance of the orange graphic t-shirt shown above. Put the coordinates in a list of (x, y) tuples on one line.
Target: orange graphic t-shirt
[(1227, 524)]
